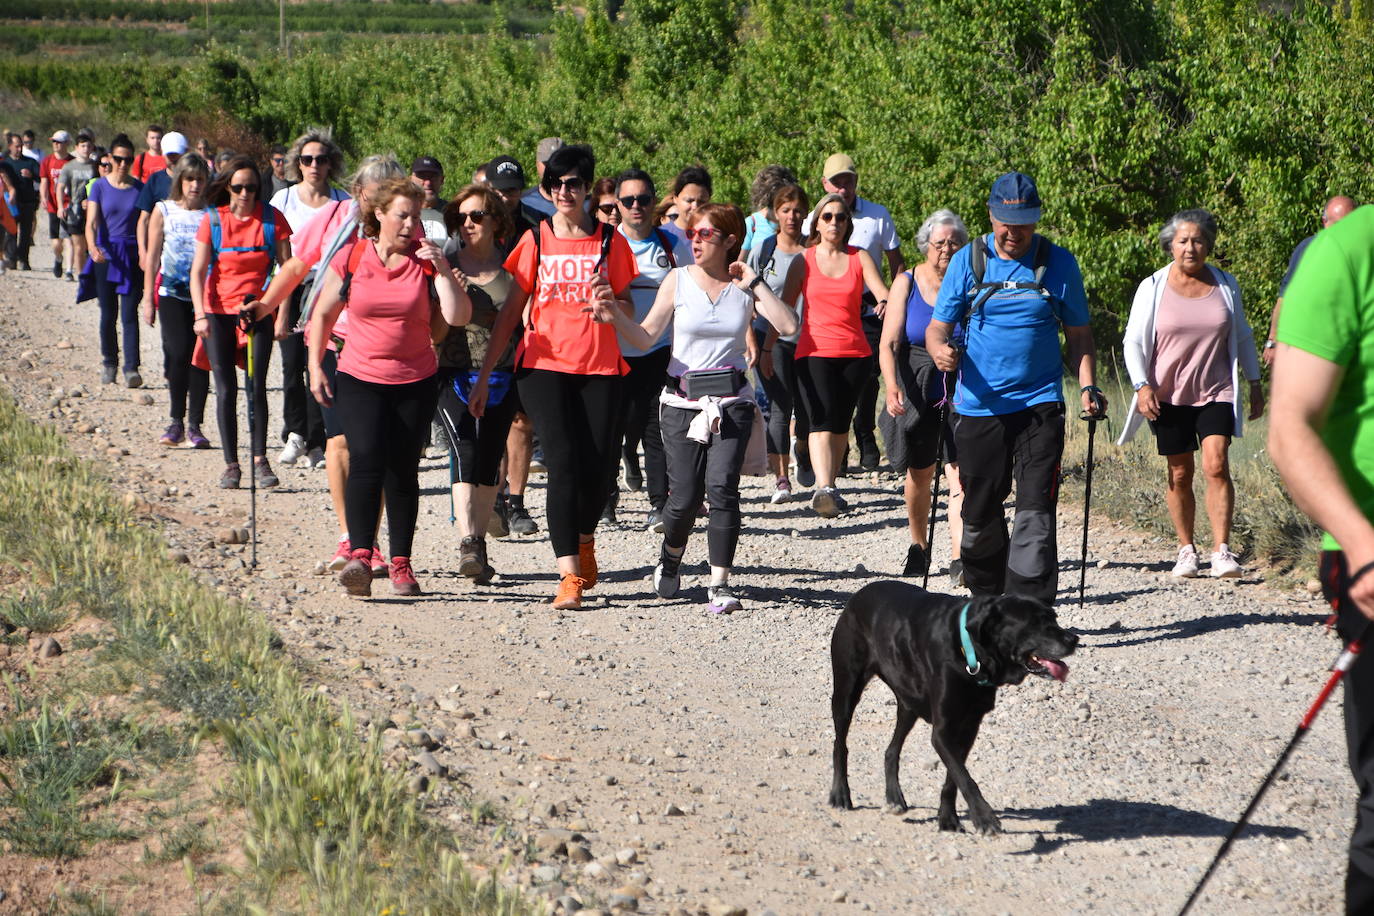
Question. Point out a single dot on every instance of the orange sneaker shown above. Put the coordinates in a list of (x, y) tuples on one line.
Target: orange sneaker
[(586, 558), (569, 597)]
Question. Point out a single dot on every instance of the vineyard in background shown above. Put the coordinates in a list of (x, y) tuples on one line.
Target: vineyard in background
[(1123, 110)]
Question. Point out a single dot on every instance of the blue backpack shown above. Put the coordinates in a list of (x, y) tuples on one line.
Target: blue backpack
[(269, 239)]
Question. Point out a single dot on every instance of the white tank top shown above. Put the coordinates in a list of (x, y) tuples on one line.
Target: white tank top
[(706, 334)]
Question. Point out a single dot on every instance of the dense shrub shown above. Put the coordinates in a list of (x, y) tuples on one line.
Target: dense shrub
[(1124, 110)]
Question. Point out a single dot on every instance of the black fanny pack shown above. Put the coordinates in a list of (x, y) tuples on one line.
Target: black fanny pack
[(722, 382)]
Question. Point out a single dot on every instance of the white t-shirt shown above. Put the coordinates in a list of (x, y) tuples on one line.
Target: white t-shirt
[(298, 213), (654, 265)]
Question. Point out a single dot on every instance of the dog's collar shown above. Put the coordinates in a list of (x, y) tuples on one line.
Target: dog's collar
[(971, 663)]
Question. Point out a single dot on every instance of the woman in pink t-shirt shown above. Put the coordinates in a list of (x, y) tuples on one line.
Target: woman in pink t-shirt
[(400, 293), (1186, 343)]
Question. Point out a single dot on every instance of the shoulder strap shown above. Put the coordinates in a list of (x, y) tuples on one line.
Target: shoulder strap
[(978, 260), (767, 249), (269, 228), (216, 235), (355, 257), (666, 244)]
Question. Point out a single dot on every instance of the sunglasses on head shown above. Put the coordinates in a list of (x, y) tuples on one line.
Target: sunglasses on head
[(313, 160), (475, 215), (706, 234), (641, 201), (122, 160), (838, 216), (567, 185), (607, 209), (243, 188)]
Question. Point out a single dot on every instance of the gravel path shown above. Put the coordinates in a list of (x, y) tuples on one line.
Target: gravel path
[(682, 760)]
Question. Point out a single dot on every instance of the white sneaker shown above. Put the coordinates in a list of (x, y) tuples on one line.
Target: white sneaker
[(295, 449), (1187, 564), (1224, 564), (315, 458), (782, 493)]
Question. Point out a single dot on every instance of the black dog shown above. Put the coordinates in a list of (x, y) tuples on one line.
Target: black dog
[(911, 639)]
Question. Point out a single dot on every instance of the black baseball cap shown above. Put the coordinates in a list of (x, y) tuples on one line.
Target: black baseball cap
[(423, 164), (505, 174)]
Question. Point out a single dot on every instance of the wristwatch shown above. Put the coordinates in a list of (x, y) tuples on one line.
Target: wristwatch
[(1270, 344), (1139, 385), (758, 278)]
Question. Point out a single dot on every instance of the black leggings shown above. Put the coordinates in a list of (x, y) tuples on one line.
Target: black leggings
[(783, 402), (476, 446), (184, 381), (300, 413), (639, 420), (222, 348), (575, 417), (385, 426), (121, 308), (830, 386)]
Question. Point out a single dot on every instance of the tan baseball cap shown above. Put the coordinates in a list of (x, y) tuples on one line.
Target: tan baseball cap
[(547, 147), (839, 164)]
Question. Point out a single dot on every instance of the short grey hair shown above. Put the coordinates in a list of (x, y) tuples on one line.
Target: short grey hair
[(323, 136), (1203, 219), (934, 221), (374, 170)]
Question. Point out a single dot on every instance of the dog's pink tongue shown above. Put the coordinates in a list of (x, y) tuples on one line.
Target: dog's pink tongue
[(1057, 669)]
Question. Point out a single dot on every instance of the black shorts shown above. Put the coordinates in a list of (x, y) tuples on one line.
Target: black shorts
[(55, 228), (1182, 429), (829, 387)]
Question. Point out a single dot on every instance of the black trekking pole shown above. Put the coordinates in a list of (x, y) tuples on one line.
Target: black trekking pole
[(1093, 419), (246, 321), (935, 492), (1338, 670)]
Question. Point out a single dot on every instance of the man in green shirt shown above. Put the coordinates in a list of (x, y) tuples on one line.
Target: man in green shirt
[(1321, 437)]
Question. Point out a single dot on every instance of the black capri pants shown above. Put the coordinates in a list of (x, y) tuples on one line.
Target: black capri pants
[(576, 418), (386, 427), (476, 446), (710, 469), (829, 387), (222, 346)]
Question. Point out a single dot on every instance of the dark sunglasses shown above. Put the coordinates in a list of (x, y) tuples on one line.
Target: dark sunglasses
[(671, 215), (278, 160), (243, 188), (607, 209), (837, 216), (106, 165), (313, 160), (705, 234), (642, 201), (567, 185), (122, 160), (475, 215)]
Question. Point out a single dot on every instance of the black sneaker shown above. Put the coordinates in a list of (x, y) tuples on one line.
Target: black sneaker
[(654, 521), (498, 525), (806, 476), (667, 574), (917, 561), (608, 513), (108, 374), (520, 521), (231, 477), (132, 379), (634, 477), (869, 458), (57, 271)]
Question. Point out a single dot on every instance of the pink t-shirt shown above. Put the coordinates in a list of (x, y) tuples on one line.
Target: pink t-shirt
[(389, 319), (1192, 361)]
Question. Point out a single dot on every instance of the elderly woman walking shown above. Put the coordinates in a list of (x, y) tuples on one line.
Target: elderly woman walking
[(914, 422), (1187, 342)]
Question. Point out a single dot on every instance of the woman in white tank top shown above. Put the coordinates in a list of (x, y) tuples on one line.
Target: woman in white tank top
[(707, 409)]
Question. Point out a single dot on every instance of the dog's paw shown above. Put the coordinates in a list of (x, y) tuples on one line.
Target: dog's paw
[(948, 823), (841, 800), (896, 808), (987, 825)]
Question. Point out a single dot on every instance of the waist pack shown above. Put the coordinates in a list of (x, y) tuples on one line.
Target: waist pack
[(720, 382), (498, 385)]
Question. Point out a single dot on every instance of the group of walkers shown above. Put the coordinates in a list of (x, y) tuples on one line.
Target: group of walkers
[(604, 318)]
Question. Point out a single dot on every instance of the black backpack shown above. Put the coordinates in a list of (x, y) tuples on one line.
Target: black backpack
[(978, 263), (607, 236)]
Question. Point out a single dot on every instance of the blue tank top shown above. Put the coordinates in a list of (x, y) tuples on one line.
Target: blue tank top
[(918, 314)]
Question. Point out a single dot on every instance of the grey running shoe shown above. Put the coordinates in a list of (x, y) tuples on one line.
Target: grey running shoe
[(721, 600), (667, 574)]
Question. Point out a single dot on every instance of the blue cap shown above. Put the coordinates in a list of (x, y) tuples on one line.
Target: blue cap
[(1014, 200)]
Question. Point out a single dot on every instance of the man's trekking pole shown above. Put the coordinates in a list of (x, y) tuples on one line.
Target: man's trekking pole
[(935, 491), (1093, 419), (247, 323), (1338, 670)]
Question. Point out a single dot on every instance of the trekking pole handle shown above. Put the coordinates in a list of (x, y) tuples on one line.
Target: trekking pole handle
[(1099, 401)]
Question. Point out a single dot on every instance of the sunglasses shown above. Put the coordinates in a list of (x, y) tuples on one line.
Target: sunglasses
[(243, 188), (567, 185), (313, 160), (475, 215), (106, 165), (640, 201), (607, 209), (278, 160), (122, 160), (835, 215), (706, 234), (671, 214)]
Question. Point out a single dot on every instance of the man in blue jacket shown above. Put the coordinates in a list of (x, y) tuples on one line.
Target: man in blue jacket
[(1012, 296)]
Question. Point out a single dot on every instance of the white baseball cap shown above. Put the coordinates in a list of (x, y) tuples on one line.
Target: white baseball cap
[(174, 142)]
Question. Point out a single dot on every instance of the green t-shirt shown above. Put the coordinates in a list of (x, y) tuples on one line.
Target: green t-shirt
[(1328, 311)]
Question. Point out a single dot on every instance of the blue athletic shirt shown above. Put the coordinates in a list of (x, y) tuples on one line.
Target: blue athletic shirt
[(1012, 359)]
